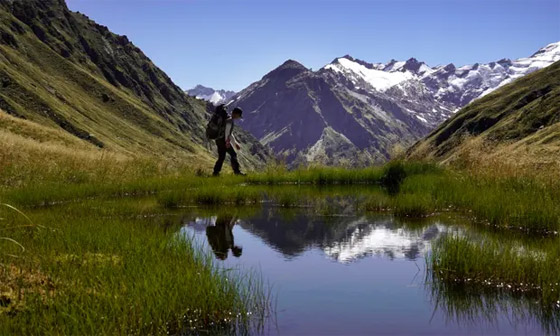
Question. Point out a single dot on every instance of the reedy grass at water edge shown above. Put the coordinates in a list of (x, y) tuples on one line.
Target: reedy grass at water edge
[(476, 279), (516, 203), (471, 305), (90, 274), (502, 264), (415, 190)]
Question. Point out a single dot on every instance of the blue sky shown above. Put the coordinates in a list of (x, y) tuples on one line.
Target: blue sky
[(231, 43)]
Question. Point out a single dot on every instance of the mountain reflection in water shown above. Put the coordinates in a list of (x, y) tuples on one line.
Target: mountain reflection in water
[(348, 275), (341, 238)]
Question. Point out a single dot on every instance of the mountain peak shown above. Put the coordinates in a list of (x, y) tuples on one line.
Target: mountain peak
[(209, 94), (450, 67), (413, 65), (376, 66), (292, 64), (504, 61), (287, 70), (550, 49)]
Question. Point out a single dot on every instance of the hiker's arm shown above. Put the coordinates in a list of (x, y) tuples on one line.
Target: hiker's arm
[(228, 131), (228, 134), (234, 142)]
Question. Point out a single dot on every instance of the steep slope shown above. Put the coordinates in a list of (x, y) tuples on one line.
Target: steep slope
[(518, 122), (60, 69), (369, 108), (213, 96)]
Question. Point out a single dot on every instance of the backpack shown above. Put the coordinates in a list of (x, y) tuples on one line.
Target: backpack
[(216, 125)]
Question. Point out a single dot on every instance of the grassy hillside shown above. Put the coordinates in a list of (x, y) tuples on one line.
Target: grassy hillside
[(517, 125), (63, 71)]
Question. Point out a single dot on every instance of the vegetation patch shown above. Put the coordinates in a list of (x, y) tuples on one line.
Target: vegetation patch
[(95, 269), (501, 264)]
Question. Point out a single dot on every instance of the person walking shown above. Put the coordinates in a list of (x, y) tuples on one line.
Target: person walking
[(227, 143)]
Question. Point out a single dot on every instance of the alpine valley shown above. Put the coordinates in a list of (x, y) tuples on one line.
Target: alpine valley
[(351, 112), (75, 82)]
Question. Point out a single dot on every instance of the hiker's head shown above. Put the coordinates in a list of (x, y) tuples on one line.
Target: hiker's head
[(237, 113), (237, 251)]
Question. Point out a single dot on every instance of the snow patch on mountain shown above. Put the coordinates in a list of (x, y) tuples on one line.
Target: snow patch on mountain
[(213, 96), (448, 87), (378, 79), (354, 111)]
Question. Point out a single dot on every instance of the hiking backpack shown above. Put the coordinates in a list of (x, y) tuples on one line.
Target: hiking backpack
[(216, 125)]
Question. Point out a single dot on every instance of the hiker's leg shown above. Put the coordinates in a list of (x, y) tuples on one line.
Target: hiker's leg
[(234, 162), (221, 144)]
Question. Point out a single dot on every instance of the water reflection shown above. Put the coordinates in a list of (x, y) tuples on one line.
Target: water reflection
[(374, 282), (341, 238), (220, 236), (466, 305)]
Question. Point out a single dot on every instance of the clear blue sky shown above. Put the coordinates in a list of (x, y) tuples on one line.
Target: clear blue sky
[(231, 43)]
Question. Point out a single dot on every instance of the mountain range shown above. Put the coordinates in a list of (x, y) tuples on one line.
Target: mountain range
[(65, 79), (358, 113), (213, 96), (517, 125)]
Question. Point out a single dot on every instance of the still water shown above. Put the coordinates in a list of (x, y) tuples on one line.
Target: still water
[(355, 275)]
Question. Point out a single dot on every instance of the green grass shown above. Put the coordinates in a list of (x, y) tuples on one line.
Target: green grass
[(388, 175), (499, 268), (413, 205), (414, 190), (112, 268), (125, 247), (495, 262), (513, 203)]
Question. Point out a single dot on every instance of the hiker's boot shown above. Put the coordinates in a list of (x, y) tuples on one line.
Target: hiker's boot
[(240, 173)]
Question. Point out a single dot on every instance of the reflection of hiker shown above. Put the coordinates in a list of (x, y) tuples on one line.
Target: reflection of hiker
[(220, 128), (220, 237)]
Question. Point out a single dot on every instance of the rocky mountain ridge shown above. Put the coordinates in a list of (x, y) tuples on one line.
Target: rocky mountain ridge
[(354, 112), (211, 95), (516, 125)]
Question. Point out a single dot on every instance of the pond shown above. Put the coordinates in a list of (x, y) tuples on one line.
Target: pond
[(355, 274)]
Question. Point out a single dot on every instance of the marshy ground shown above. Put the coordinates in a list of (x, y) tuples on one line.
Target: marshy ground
[(103, 254)]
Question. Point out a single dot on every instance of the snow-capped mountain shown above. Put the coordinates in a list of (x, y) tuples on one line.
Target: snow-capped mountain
[(352, 111), (214, 96)]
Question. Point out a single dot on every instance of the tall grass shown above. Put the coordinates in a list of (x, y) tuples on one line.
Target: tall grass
[(389, 175), (501, 263), (514, 203), (474, 279), (95, 272), (414, 190)]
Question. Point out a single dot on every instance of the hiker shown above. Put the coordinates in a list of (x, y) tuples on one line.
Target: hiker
[(225, 141), (220, 237)]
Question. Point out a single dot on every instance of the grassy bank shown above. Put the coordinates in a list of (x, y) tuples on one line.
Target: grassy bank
[(501, 263), (88, 264), (121, 269), (526, 203), (520, 203), (496, 272)]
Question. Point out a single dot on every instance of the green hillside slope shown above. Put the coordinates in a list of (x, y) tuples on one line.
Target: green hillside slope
[(519, 124), (59, 69)]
